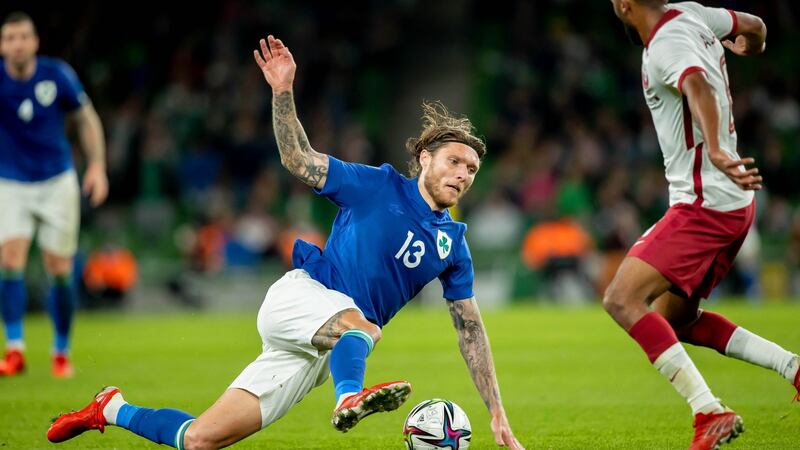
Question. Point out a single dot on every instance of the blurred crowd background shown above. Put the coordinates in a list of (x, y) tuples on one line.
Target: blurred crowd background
[(572, 177)]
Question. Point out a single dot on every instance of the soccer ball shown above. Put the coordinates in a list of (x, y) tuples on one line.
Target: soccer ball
[(437, 424)]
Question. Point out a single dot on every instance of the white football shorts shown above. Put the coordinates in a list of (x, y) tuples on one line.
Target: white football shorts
[(52, 206), (289, 366)]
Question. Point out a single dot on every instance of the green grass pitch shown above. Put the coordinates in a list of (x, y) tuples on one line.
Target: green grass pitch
[(570, 379)]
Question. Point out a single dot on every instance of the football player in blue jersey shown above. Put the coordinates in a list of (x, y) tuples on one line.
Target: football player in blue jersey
[(391, 237), (38, 184)]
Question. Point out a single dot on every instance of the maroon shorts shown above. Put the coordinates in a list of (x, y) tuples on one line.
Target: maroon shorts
[(694, 247)]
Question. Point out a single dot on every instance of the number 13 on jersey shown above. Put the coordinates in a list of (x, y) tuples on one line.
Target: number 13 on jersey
[(411, 260)]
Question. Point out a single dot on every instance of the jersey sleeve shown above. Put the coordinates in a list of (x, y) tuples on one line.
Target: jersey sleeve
[(349, 184), (675, 56), (722, 22), (71, 90), (457, 280)]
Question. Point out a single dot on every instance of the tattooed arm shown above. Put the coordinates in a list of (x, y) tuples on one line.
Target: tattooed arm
[(474, 345), (278, 67), (297, 155)]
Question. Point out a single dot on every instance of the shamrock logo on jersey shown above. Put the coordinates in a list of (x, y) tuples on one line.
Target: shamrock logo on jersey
[(45, 92), (443, 244)]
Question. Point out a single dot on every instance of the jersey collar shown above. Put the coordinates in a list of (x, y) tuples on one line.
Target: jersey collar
[(669, 15)]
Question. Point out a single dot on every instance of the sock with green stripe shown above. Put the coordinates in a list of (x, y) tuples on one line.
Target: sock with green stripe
[(61, 306), (13, 298), (162, 426), (349, 362)]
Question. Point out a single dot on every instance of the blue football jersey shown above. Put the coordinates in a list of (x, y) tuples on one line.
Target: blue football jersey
[(386, 243), (33, 143)]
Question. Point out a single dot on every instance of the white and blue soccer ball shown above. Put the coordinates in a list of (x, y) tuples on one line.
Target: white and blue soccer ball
[(437, 424)]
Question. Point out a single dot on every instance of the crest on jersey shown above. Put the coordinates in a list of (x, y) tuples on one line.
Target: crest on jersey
[(25, 110), (443, 244), (45, 92)]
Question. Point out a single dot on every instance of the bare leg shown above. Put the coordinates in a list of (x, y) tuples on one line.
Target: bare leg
[(680, 312), (57, 265), (233, 417), (634, 287), (348, 319), (14, 254)]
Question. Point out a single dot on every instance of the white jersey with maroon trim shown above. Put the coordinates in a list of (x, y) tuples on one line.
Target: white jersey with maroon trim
[(686, 40)]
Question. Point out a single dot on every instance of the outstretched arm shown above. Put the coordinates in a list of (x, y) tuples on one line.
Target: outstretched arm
[(474, 345), (90, 133), (302, 161), (751, 35)]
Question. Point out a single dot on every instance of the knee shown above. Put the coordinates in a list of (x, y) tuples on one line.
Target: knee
[(370, 328), (614, 300), (13, 259), (57, 266), (375, 332), (196, 438)]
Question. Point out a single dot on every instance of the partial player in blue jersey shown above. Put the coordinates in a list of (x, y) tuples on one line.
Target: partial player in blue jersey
[(38, 183), (392, 236)]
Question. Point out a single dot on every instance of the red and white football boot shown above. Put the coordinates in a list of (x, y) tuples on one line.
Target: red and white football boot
[(715, 429), (379, 398), (12, 364), (62, 368), (69, 425)]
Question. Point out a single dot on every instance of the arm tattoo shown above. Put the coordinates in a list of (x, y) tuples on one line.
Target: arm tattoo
[(296, 153), (475, 349)]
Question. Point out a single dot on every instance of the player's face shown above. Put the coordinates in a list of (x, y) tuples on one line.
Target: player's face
[(18, 42), (449, 172)]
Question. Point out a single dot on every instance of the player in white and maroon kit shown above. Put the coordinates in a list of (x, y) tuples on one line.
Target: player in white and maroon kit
[(677, 263)]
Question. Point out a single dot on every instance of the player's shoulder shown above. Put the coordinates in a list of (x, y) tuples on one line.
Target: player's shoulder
[(446, 220), (389, 170), (675, 33), (51, 63), (692, 8), (393, 176), (55, 67), (685, 15)]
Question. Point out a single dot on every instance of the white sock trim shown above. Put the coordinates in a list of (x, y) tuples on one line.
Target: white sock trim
[(111, 410), (16, 344), (668, 354), (180, 433)]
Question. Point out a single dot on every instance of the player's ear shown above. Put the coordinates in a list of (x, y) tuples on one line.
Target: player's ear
[(424, 158)]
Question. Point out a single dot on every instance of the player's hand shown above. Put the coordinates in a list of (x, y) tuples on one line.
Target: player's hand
[(741, 46), (276, 63), (95, 183), (747, 179), (503, 436)]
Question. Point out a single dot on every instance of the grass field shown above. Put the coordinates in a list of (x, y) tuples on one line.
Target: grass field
[(570, 379)]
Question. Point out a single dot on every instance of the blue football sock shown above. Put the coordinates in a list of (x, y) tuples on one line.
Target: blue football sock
[(349, 361), (14, 298), (61, 305), (162, 426)]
